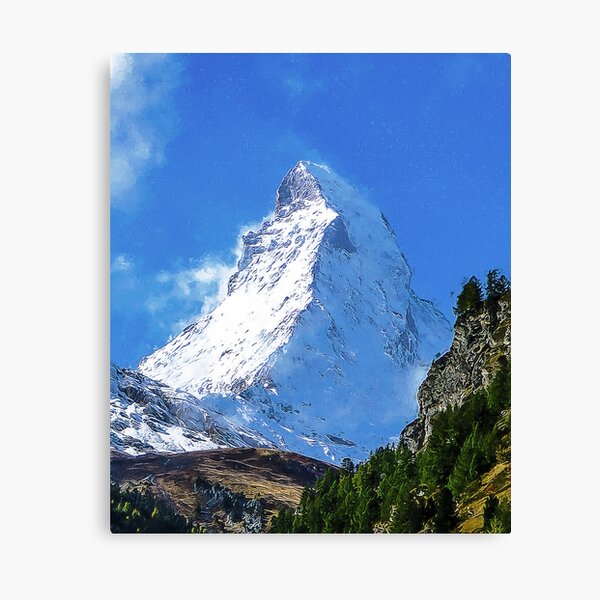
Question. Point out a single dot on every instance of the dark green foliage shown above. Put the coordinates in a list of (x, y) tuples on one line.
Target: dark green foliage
[(134, 512), (470, 297), (496, 516), (491, 505), (406, 493), (347, 465), (476, 456), (444, 517), (498, 392), (496, 286), (409, 504)]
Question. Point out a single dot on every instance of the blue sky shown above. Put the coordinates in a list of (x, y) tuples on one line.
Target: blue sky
[(199, 144)]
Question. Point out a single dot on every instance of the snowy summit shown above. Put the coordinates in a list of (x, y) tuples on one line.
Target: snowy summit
[(318, 347)]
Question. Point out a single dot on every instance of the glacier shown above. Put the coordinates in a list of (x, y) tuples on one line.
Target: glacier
[(318, 347)]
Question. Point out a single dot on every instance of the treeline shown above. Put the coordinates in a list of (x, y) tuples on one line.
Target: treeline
[(398, 491), (472, 297), (135, 512)]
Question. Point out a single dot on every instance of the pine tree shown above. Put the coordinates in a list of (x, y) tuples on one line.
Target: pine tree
[(498, 392), (444, 520), (491, 504), (470, 297), (408, 513), (475, 457), (414, 492), (497, 285), (347, 465)]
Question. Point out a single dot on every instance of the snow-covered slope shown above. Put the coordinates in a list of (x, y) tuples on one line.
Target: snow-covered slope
[(146, 415), (320, 344)]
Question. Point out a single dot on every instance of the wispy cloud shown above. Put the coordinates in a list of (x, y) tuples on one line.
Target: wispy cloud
[(122, 263), (200, 286), (182, 296), (142, 115)]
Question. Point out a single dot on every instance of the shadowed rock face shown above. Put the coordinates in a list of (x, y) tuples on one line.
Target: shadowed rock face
[(481, 339), (295, 190)]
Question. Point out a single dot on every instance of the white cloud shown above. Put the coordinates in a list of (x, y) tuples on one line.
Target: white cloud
[(185, 295), (142, 114), (120, 67), (122, 263)]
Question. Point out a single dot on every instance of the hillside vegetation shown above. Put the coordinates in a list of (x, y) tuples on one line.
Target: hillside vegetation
[(458, 481), (225, 490), (132, 511)]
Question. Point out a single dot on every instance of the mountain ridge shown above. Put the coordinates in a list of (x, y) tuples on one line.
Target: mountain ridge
[(320, 343)]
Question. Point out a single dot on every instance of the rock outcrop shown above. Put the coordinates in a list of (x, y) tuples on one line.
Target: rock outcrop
[(481, 342)]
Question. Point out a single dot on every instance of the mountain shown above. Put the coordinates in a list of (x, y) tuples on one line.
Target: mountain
[(318, 347)]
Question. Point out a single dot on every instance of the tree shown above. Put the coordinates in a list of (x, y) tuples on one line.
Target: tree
[(496, 516), (470, 298), (406, 492), (444, 519), (498, 392), (408, 515), (347, 465), (491, 505), (497, 285), (132, 511), (475, 457)]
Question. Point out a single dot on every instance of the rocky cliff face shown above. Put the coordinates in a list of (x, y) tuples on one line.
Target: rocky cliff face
[(220, 509), (481, 339)]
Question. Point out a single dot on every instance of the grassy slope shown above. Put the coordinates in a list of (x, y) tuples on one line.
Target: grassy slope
[(496, 482), (276, 477)]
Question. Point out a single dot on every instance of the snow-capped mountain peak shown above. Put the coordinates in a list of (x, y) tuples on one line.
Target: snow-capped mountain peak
[(297, 187), (271, 287), (320, 343)]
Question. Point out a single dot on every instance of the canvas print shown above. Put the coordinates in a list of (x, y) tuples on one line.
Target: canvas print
[(310, 293)]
